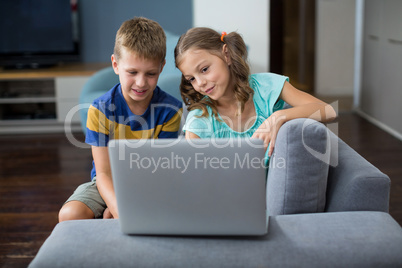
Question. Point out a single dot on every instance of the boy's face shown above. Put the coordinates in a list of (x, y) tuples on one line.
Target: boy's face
[(138, 78)]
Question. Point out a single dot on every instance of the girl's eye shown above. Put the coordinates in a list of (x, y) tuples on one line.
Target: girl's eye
[(190, 80), (152, 74), (203, 70)]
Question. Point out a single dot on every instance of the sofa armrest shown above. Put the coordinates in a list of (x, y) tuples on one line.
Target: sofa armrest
[(354, 183), (298, 168)]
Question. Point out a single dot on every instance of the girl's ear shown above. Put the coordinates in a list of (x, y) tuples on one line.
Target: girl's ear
[(226, 54)]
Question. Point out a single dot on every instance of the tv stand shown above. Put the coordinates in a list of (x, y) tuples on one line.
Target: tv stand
[(28, 66), (38, 100)]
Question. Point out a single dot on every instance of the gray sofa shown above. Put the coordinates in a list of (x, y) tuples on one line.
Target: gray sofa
[(327, 205)]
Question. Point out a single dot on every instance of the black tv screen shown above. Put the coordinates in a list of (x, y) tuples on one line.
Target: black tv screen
[(37, 33)]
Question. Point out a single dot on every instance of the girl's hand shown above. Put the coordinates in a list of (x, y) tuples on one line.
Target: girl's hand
[(269, 130)]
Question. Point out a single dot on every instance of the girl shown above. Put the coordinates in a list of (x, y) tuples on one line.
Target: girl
[(225, 101)]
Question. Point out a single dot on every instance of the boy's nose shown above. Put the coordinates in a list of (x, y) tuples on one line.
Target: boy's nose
[(140, 81)]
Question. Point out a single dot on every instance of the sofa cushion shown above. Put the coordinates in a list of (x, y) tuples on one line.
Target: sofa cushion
[(344, 239), (298, 169)]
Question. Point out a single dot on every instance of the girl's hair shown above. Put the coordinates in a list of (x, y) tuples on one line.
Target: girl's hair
[(210, 40), (142, 36)]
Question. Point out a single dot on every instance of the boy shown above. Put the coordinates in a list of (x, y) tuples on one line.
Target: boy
[(135, 108)]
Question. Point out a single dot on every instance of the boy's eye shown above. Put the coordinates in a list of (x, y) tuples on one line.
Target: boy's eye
[(151, 74)]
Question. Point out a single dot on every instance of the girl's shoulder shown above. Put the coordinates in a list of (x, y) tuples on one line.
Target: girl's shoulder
[(267, 90), (264, 80), (198, 124), (198, 113)]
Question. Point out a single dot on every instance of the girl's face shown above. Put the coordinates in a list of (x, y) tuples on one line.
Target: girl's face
[(207, 73), (138, 76)]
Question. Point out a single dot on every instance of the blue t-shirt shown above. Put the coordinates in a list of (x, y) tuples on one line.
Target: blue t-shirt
[(267, 89), (109, 117)]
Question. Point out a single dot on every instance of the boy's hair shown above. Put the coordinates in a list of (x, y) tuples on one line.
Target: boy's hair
[(210, 40), (142, 36)]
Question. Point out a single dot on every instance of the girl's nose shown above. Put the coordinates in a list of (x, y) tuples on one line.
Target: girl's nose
[(201, 82)]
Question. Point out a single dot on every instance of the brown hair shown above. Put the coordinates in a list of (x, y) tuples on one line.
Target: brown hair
[(210, 40), (142, 36)]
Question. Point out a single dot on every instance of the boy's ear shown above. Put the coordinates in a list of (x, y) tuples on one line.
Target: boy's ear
[(226, 54), (115, 65), (162, 65)]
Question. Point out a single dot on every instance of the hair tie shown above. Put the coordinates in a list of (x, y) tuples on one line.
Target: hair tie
[(222, 36)]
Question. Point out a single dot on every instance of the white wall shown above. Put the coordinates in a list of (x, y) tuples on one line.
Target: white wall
[(249, 18), (335, 39)]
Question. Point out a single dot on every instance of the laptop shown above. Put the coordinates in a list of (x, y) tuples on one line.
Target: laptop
[(190, 187)]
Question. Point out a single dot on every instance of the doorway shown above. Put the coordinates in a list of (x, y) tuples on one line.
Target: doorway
[(292, 41)]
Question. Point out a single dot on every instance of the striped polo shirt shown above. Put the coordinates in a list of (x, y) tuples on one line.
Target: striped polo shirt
[(109, 117)]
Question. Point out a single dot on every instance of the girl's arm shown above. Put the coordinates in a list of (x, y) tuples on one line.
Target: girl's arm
[(303, 105), (104, 178), (191, 135)]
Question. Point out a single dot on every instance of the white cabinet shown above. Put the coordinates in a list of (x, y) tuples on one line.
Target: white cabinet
[(381, 92), (38, 101), (68, 90)]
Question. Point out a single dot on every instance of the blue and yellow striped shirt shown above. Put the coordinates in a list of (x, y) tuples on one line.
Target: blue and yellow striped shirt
[(109, 117)]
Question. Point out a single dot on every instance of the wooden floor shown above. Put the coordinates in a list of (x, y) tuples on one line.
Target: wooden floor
[(39, 172)]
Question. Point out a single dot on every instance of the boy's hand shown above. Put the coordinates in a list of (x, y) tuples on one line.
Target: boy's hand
[(107, 214), (268, 131)]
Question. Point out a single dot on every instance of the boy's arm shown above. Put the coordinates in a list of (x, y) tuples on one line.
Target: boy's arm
[(104, 178), (170, 129)]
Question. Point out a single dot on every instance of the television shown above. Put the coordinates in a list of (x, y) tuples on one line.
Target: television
[(38, 33)]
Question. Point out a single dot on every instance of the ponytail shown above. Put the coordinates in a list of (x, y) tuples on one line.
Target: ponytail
[(239, 67)]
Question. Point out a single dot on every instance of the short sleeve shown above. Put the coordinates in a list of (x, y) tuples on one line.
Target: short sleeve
[(197, 124), (170, 129), (97, 128), (267, 89)]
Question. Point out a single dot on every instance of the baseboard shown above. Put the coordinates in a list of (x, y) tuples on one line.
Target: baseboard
[(379, 124), (33, 127)]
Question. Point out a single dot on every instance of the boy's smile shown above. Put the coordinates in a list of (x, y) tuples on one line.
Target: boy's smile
[(138, 78)]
